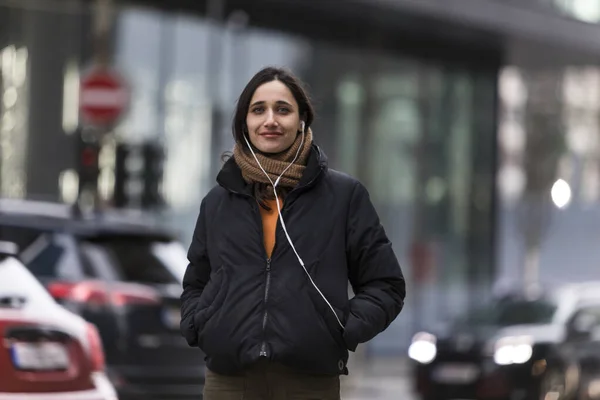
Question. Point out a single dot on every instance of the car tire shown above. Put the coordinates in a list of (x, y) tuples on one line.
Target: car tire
[(552, 385)]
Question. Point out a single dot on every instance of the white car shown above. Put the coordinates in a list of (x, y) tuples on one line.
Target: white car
[(46, 352)]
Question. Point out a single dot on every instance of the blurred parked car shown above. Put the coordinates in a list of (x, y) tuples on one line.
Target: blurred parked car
[(46, 352), (499, 351), (573, 366), (122, 273)]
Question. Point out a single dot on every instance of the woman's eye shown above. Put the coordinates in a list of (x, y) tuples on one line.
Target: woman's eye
[(257, 110), (283, 110)]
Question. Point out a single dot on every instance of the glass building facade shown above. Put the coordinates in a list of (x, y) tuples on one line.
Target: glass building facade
[(549, 172)]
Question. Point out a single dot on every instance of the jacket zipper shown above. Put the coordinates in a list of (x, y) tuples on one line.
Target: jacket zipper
[(263, 347)]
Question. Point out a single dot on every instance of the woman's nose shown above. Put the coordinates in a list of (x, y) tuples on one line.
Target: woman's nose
[(270, 118)]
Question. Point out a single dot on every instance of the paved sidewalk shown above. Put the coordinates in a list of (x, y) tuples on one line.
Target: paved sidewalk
[(378, 379)]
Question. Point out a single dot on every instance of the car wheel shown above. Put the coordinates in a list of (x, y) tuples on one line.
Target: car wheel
[(552, 386)]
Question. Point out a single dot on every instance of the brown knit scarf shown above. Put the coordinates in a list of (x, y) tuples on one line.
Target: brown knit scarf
[(274, 164)]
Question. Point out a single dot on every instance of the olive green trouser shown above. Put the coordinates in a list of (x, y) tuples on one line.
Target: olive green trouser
[(271, 381)]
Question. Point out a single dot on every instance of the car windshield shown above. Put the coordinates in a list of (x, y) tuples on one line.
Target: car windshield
[(512, 312), (140, 259)]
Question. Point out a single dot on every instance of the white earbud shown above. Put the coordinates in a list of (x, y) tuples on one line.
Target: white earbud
[(302, 126)]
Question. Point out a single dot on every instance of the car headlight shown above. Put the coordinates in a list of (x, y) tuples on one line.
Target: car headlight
[(423, 348), (513, 350)]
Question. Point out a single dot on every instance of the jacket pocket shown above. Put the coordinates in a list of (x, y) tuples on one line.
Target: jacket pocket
[(333, 326), (211, 299), (326, 314)]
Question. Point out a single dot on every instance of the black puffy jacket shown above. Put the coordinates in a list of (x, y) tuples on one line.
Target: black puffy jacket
[(238, 306)]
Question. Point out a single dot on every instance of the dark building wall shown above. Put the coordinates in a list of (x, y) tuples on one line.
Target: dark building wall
[(53, 34), (49, 38)]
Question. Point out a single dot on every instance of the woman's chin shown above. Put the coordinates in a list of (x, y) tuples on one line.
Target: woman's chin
[(271, 148)]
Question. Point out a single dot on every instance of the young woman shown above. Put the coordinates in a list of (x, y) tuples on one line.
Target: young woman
[(265, 294)]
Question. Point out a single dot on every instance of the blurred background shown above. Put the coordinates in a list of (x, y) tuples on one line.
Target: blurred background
[(473, 123)]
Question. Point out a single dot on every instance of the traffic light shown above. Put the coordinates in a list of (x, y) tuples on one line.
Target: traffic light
[(153, 156), (138, 176), (87, 164)]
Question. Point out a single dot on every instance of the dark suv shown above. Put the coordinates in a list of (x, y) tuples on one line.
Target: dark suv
[(123, 274), (503, 350)]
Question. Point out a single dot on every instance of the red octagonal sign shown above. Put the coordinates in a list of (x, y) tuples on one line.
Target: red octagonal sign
[(103, 98)]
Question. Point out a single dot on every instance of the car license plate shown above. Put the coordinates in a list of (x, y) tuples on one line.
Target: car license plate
[(456, 373), (47, 356), (172, 317)]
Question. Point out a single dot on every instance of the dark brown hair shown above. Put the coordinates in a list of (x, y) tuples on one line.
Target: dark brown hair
[(263, 191)]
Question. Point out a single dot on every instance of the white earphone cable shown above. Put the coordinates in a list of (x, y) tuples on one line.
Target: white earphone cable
[(274, 184)]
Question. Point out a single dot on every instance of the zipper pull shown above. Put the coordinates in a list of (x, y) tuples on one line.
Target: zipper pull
[(268, 264)]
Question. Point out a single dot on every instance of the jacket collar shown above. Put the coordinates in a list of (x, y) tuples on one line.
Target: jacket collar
[(230, 176)]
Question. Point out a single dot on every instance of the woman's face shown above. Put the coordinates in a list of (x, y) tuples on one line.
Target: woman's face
[(273, 118)]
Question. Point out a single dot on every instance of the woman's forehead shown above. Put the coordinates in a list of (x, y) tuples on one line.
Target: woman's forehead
[(273, 92)]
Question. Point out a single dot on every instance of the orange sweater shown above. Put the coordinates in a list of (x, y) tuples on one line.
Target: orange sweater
[(269, 221)]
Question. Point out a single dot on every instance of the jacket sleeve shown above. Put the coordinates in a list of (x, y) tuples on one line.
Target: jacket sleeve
[(374, 273), (195, 279)]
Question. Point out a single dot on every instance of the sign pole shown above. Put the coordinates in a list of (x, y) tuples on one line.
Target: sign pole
[(97, 91), (103, 17)]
